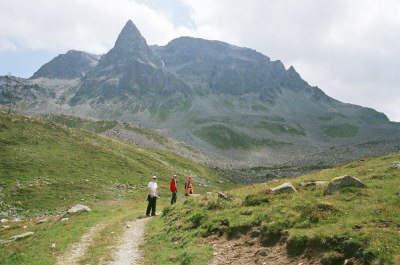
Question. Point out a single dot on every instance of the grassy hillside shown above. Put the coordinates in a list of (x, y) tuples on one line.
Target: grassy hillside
[(45, 168), (361, 224)]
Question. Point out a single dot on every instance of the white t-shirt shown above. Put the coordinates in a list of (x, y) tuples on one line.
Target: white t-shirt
[(153, 188)]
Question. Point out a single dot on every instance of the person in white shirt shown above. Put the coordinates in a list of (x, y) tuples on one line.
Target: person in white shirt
[(152, 196)]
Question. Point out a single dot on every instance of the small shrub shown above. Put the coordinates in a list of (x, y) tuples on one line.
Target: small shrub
[(255, 199), (196, 219), (166, 210)]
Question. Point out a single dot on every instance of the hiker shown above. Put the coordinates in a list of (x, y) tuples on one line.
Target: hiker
[(173, 189), (189, 186), (152, 196)]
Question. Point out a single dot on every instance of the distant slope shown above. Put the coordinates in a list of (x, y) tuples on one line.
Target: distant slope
[(46, 167), (73, 64), (253, 225)]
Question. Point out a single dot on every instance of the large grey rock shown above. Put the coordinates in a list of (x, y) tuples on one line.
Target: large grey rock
[(223, 196), (312, 183), (79, 208), (396, 165), (284, 188), (343, 181)]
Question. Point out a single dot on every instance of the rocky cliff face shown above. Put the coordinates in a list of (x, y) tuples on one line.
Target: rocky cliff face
[(233, 103)]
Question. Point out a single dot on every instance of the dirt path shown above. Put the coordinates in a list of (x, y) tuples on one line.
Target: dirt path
[(128, 248), (77, 250)]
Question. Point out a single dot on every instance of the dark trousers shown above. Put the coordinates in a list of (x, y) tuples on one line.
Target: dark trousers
[(173, 199), (151, 206)]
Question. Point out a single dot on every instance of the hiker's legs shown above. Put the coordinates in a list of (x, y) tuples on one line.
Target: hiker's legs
[(173, 199), (153, 209), (149, 206)]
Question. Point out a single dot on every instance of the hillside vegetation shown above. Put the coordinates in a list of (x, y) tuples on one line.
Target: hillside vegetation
[(358, 224), (46, 167)]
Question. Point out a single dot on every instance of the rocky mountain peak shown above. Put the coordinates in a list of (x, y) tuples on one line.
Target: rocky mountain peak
[(130, 37), (130, 46)]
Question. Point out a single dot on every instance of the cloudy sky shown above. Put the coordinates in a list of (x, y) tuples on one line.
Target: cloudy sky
[(348, 48)]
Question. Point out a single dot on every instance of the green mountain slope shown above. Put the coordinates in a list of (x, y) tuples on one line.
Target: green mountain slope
[(358, 224), (47, 167)]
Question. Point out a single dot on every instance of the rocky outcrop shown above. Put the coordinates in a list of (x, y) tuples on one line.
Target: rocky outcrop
[(78, 209), (284, 188), (396, 165), (17, 237), (313, 183), (343, 181)]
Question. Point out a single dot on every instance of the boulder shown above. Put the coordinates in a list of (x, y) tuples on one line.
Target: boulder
[(223, 196), (312, 183), (343, 181), (284, 188), (396, 165), (79, 208)]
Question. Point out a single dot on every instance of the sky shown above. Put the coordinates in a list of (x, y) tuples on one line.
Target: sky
[(348, 48)]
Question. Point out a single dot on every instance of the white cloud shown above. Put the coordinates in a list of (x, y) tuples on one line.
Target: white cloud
[(87, 25)]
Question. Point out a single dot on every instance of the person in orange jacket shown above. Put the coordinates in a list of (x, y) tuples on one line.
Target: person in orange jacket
[(173, 188), (189, 186)]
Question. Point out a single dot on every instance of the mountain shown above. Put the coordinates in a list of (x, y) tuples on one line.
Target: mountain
[(73, 64), (239, 108), (130, 69)]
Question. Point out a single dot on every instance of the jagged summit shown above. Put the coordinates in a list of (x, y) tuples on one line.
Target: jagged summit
[(130, 46), (130, 37)]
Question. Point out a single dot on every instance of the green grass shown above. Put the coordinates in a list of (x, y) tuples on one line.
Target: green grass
[(39, 159), (331, 116), (361, 222), (277, 128), (78, 122), (260, 108), (344, 130), (226, 138), (45, 168), (150, 134)]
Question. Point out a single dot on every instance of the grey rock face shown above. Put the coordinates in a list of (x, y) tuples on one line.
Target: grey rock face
[(343, 181)]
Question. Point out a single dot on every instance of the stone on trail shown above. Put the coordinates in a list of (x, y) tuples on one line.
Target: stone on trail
[(284, 188), (79, 208), (343, 181), (194, 195)]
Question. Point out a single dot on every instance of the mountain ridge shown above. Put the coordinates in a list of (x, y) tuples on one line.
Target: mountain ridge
[(206, 93)]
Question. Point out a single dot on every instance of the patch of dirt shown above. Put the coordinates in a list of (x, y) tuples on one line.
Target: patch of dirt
[(253, 249), (128, 247), (77, 250)]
